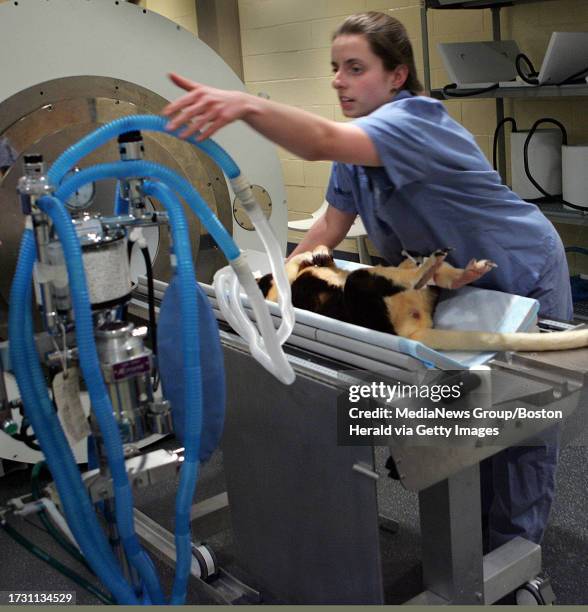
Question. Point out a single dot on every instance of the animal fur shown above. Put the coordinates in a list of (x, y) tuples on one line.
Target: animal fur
[(400, 300)]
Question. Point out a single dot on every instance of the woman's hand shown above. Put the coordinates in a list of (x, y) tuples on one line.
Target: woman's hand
[(204, 108)]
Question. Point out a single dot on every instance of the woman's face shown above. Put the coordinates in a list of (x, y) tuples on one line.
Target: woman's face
[(361, 81)]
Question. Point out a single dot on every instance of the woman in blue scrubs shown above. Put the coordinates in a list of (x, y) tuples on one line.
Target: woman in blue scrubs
[(419, 182)]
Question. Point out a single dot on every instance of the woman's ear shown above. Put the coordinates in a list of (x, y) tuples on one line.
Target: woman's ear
[(399, 76)]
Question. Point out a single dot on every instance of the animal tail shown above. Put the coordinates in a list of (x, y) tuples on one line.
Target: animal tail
[(450, 340)]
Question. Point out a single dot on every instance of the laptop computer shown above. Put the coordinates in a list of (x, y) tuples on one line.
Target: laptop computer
[(477, 65), (566, 55)]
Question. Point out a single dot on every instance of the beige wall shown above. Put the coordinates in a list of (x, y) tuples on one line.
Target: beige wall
[(286, 54), (183, 12)]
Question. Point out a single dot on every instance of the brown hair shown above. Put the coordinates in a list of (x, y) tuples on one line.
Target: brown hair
[(388, 39)]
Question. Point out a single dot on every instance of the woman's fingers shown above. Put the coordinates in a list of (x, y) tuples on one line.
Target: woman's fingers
[(194, 91), (181, 103), (197, 123), (202, 108), (182, 82), (214, 126), (185, 115)]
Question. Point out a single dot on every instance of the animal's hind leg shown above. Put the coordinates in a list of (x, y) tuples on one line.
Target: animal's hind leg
[(448, 277), (411, 277)]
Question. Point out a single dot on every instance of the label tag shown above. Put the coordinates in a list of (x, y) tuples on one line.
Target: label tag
[(66, 394)]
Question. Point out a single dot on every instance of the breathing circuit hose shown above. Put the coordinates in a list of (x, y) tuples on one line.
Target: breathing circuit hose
[(99, 397), (25, 362)]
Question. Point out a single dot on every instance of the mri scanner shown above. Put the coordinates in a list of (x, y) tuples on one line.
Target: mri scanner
[(303, 503)]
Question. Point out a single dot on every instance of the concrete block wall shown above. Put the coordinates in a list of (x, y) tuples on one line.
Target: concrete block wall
[(183, 12), (286, 55)]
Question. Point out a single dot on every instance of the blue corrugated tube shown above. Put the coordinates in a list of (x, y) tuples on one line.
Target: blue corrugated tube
[(76, 503), (99, 397), (125, 169), (192, 385), (102, 135)]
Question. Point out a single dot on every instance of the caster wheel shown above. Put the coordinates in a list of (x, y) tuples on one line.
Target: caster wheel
[(536, 592), (204, 564)]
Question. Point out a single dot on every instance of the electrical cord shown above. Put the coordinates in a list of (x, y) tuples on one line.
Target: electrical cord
[(496, 133), (54, 563), (526, 161), (448, 91), (531, 76), (574, 80), (532, 131)]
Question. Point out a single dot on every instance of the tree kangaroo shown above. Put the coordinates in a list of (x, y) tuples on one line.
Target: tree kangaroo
[(401, 300)]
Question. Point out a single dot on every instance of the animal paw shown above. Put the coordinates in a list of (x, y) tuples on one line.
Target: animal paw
[(441, 253), (322, 251), (472, 272), (322, 257)]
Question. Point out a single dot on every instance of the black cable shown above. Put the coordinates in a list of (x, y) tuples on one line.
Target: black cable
[(448, 91), (151, 299), (526, 159), (496, 133), (571, 80), (54, 563), (575, 249), (531, 76), (29, 440)]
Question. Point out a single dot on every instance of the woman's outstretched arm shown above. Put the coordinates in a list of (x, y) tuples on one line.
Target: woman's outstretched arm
[(207, 109)]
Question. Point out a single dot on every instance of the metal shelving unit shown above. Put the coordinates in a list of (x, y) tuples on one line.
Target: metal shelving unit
[(555, 211)]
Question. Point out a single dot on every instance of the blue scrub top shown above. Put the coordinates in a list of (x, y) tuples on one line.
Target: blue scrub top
[(436, 189)]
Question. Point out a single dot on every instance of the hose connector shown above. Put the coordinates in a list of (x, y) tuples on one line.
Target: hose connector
[(131, 148), (33, 184)]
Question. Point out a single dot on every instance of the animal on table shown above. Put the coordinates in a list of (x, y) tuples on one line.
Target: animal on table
[(401, 300)]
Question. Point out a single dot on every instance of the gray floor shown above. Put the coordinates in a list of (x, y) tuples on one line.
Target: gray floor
[(565, 549)]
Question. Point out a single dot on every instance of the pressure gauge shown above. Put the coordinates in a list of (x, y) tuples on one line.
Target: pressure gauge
[(82, 197), (263, 199)]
